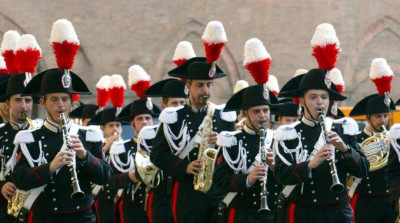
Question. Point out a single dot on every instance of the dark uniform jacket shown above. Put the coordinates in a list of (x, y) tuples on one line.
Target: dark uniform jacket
[(293, 146), (244, 148), (133, 194), (392, 174), (374, 184), (43, 145), (181, 125)]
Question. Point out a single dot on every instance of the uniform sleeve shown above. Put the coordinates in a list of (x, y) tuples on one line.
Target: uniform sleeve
[(94, 165), (356, 164), (287, 171), (392, 174), (25, 177), (226, 179), (162, 157)]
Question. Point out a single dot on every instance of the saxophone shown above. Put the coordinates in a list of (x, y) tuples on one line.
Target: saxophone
[(207, 154), (15, 204)]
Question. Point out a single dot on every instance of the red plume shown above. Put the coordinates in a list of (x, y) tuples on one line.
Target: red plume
[(75, 97), (3, 67), (8, 46), (65, 43), (103, 94), (257, 60), (214, 38), (139, 80), (326, 46), (27, 54), (381, 74), (117, 88)]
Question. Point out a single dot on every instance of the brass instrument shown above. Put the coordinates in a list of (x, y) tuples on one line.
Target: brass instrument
[(15, 204), (336, 185), (376, 149), (263, 157), (207, 154), (146, 169), (77, 193)]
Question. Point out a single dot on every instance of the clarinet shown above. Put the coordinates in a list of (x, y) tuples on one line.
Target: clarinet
[(77, 193), (263, 157), (336, 185)]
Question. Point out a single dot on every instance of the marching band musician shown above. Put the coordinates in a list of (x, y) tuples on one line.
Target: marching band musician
[(302, 151), (84, 112), (370, 194), (20, 108), (175, 147), (159, 198), (240, 169), (245, 165), (288, 113), (60, 160), (112, 130)]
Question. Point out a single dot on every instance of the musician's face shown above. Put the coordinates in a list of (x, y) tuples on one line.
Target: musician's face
[(198, 90), (112, 128), (314, 100), (256, 116), (55, 104), (378, 120), (19, 107), (175, 102), (141, 120), (85, 121), (285, 120)]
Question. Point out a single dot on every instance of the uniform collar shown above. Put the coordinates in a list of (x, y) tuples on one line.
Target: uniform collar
[(369, 132), (249, 130), (309, 122), (196, 110), (19, 127), (54, 127)]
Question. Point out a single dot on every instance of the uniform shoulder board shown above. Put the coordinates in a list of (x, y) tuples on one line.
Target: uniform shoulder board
[(118, 147), (394, 132), (148, 132), (93, 133), (37, 123), (24, 136), (226, 116), (286, 132), (227, 139), (350, 126), (169, 115)]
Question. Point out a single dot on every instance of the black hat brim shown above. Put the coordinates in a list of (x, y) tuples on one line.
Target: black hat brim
[(200, 73), (372, 104), (171, 88)]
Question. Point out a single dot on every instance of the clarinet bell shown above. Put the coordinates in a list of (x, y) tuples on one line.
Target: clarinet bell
[(77, 194), (264, 205)]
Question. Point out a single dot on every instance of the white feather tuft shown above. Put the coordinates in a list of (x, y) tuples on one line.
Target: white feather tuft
[(148, 132), (169, 115), (350, 126), (136, 74), (325, 34), (300, 72), (2, 62), (337, 77), (116, 80), (240, 84), (184, 50), (63, 30), (254, 51), (10, 39), (272, 83), (380, 68), (214, 33), (28, 41), (104, 82)]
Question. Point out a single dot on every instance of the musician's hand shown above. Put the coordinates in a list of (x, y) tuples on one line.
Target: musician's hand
[(8, 190), (213, 138), (132, 176), (323, 154), (109, 141), (336, 141), (257, 173), (76, 144), (270, 159), (194, 167), (61, 159)]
